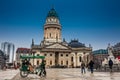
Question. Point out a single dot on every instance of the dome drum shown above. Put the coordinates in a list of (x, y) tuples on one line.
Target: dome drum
[(52, 26)]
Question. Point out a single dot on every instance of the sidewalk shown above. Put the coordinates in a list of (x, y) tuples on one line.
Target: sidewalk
[(61, 74), (75, 74), (8, 74)]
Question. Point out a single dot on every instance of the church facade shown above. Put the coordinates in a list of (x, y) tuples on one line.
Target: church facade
[(58, 52)]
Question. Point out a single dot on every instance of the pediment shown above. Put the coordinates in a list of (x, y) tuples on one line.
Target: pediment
[(57, 46)]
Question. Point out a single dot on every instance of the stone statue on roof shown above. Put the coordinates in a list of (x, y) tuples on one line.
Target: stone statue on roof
[(110, 53)]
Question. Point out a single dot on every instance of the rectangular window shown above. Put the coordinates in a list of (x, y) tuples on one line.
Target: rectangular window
[(50, 62), (50, 54)]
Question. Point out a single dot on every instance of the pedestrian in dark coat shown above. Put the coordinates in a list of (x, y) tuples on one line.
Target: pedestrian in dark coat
[(110, 64), (91, 66), (42, 67)]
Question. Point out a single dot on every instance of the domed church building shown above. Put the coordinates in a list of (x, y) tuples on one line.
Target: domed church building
[(56, 50)]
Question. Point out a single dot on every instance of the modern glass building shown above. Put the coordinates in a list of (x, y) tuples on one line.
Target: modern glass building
[(8, 49), (2, 59)]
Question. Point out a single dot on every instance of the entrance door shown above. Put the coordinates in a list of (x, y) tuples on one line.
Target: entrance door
[(56, 58)]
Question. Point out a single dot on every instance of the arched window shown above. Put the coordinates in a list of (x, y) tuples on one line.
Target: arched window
[(66, 62), (61, 62), (50, 54), (80, 58), (50, 62), (38, 62), (72, 58)]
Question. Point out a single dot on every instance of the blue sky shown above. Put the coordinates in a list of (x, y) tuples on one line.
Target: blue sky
[(95, 22)]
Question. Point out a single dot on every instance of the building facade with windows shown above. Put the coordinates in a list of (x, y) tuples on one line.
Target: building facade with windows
[(99, 56), (116, 50), (22, 52), (59, 52)]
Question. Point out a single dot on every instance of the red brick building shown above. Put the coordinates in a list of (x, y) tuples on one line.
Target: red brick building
[(22, 51)]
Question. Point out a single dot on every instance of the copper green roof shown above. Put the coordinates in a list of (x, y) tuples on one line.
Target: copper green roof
[(32, 57), (100, 51), (76, 44), (52, 13)]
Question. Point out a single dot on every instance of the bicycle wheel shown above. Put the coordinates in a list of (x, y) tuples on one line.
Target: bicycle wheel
[(43, 74), (23, 73)]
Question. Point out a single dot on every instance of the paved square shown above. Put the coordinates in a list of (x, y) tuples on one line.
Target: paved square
[(61, 74)]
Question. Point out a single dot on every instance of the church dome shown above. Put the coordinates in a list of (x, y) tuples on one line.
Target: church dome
[(76, 44), (52, 13)]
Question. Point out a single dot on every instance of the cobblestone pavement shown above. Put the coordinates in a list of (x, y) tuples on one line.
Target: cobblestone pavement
[(71, 74), (61, 74), (8, 74)]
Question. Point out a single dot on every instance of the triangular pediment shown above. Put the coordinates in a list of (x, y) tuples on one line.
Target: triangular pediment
[(57, 46)]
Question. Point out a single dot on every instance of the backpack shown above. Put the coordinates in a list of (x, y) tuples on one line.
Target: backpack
[(110, 62)]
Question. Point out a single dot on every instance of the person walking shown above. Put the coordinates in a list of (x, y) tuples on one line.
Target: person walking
[(91, 65), (110, 64), (83, 67), (43, 70)]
